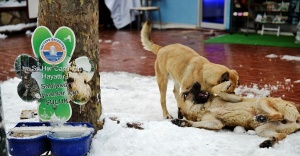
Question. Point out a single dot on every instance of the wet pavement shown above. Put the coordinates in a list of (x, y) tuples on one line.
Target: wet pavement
[(121, 50)]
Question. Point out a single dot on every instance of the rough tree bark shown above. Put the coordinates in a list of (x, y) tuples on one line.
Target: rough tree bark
[(82, 17)]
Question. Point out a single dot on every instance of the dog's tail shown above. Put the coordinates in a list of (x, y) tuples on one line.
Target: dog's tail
[(146, 40)]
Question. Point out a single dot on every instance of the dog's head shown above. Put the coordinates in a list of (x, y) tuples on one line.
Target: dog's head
[(78, 87), (196, 95), (76, 81)]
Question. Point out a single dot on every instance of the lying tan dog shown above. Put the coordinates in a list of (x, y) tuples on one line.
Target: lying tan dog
[(185, 67), (269, 117)]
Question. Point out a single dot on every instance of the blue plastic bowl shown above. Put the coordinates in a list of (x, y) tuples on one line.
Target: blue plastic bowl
[(78, 146), (33, 146), (71, 146)]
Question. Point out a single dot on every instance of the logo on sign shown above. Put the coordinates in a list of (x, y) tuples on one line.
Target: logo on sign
[(53, 51)]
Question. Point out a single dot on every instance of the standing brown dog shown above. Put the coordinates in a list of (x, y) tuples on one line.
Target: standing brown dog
[(185, 67)]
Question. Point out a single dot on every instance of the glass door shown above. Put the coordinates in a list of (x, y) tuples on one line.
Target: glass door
[(212, 14)]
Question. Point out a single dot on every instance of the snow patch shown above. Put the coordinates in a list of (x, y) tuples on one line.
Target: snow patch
[(290, 58), (3, 36), (272, 56), (239, 129), (29, 33), (284, 57), (12, 3), (17, 27), (254, 91), (297, 81)]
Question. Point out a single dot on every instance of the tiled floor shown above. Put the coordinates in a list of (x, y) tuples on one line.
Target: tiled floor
[(122, 51)]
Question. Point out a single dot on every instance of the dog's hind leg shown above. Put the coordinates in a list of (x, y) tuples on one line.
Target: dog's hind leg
[(267, 130), (272, 113), (162, 81)]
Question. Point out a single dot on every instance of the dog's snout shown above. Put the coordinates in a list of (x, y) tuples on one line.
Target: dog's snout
[(70, 80), (201, 97)]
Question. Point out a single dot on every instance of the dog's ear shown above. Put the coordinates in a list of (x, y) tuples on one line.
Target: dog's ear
[(224, 77), (213, 74)]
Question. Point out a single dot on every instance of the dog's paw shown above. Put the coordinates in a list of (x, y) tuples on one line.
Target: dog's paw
[(261, 118), (181, 123), (168, 116), (268, 143)]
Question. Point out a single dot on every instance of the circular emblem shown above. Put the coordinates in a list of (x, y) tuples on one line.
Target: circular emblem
[(53, 51)]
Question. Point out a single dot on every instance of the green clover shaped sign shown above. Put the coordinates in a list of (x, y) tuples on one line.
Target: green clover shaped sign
[(53, 54), (51, 78)]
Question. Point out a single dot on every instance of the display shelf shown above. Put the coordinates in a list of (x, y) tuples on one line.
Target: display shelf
[(239, 15), (276, 12)]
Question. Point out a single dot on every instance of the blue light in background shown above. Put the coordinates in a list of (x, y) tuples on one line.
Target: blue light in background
[(213, 11)]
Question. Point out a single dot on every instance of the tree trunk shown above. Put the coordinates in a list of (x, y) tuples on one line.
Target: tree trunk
[(82, 17)]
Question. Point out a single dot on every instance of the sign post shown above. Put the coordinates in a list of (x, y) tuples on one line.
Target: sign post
[(51, 78)]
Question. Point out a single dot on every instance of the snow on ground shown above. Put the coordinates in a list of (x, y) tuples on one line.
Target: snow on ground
[(17, 27), (272, 56), (290, 58), (3, 36), (284, 57), (12, 3), (134, 98)]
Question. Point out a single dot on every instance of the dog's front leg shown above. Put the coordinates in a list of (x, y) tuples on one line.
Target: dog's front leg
[(221, 91), (230, 97), (207, 122), (177, 95), (222, 87)]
